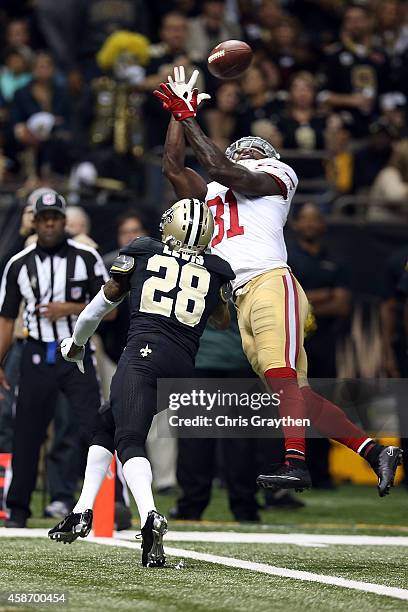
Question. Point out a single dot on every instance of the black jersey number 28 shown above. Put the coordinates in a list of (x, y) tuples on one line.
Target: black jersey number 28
[(189, 305)]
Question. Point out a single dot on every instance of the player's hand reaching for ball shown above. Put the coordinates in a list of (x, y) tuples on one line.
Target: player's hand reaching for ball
[(179, 97)]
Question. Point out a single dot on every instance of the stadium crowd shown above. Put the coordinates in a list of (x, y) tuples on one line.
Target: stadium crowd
[(328, 84), (328, 87)]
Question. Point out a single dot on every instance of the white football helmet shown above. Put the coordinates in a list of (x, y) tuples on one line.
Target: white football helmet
[(251, 142)]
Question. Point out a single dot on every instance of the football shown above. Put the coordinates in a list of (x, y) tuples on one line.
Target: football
[(229, 59)]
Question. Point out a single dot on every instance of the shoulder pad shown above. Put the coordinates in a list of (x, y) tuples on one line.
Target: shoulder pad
[(140, 246), (123, 264)]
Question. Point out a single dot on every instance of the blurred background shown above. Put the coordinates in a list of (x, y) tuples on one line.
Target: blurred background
[(328, 87)]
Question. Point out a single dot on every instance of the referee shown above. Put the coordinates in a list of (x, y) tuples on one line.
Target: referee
[(55, 277)]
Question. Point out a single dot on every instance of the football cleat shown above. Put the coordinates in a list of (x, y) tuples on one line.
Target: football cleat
[(286, 477), (72, 527), (152, 540), (385, 467)]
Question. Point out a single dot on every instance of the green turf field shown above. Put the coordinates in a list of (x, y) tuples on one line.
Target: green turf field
[(95, 577), (350, 508), (103, 577)]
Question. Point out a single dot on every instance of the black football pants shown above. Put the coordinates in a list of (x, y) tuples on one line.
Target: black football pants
[(40, 384)]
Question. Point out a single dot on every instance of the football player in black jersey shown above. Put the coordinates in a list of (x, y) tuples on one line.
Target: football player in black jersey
[(174, 287)]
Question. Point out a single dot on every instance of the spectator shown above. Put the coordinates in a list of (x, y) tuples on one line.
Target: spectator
[(260, 109), (389, 194), (111, 121), (261, 22), (356, 71), (371, 158), (326, 282), (222, 119), (78, 225), (393, 108), (114, 334), (340, 164), (40, 115), (18, 34), (391, 32), (208, 29), (320, 19), (14, 74), (302, 126), (95, 21), (171, 51), (288, 50)]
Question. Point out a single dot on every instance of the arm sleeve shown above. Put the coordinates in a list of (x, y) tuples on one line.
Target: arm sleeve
[(10, 296), (91, 316)]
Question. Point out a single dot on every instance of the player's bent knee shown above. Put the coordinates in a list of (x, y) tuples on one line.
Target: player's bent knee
[(104, 439), (129, 445)]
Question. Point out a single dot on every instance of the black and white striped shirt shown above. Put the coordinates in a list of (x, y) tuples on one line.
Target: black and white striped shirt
[(74, 273)]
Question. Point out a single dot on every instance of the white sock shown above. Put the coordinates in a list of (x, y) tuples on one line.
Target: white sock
[(138, 475), (97, 465)]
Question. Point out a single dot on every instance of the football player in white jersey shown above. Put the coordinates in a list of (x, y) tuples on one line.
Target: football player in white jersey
[(250, 195)]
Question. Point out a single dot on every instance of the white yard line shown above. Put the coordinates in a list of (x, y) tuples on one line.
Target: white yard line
[(231, 537), (299, 539), (264, 568)]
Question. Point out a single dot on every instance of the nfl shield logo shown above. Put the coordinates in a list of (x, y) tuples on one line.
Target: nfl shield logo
[(76, 293), (49, 199)]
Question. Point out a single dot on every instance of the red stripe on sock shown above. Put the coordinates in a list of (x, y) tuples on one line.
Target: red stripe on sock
[(284, 382)]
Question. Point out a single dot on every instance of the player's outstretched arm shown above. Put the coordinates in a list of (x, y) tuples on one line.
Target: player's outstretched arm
[(186, 182), (108, 298), (224, 171)]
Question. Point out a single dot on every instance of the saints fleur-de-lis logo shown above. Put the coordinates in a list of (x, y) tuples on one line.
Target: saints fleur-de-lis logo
[(145, 351)]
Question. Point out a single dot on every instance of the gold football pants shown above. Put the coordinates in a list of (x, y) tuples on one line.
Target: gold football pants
[(272, 310)]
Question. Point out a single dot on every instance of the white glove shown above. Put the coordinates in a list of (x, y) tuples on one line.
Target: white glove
[(185, 90), (66, 345)]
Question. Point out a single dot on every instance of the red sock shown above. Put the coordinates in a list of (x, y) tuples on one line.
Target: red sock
[(284, 381), (331, 421)]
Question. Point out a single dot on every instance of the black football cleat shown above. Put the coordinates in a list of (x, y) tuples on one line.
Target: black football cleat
[(385, 467), (152, 540), (73, 526), (286, 477)]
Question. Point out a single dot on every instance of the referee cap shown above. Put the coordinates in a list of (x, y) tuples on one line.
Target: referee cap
[(50, 201)]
